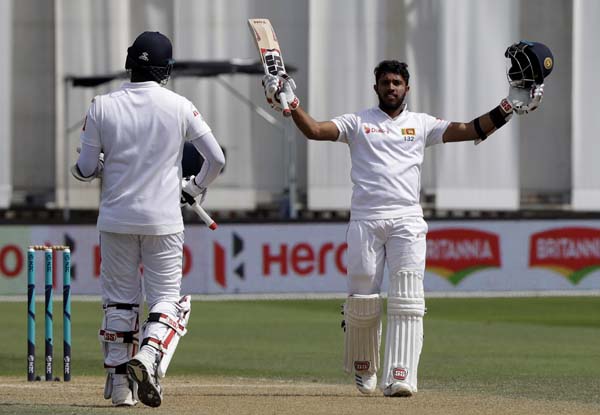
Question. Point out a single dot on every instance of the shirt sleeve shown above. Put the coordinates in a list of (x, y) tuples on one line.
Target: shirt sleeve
[(214, 159), (90, 132), (434, 130), (88, 159), (347, 125), (196, 126)]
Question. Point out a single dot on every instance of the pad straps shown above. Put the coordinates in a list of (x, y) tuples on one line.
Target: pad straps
[(174, 326), (111, 336)]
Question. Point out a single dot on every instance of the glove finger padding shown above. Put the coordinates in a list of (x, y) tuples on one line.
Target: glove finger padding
[(191, 193), (274, 85), (288, 89), (525, 100)]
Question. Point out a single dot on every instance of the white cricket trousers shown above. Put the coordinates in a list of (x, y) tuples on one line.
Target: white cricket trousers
[(400, 243), (161, 257)]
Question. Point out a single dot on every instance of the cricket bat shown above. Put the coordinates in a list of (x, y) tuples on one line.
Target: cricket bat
[(204, 216), (270, 53), (199, 211)]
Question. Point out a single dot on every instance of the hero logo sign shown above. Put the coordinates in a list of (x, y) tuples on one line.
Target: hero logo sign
[(456, 253), (301, 259), (573, 252)]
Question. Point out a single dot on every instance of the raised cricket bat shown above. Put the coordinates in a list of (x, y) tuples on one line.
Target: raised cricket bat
[(270, 53)]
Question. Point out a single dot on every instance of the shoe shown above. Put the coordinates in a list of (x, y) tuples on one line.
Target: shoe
[(365, 382), (142, 370), (122, 393), (398, 389)]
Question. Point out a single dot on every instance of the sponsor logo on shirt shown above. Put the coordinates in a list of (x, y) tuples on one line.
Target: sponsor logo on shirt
[(456, 253), (370, 129), (573, 252)]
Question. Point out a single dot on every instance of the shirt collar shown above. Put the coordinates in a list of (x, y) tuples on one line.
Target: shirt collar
[(402, 114), (137, 85)]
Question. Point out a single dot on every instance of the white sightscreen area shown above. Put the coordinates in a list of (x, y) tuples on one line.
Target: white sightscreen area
[(454, 50), (94, 37), (586, 122), (5, 102), (473, 82)]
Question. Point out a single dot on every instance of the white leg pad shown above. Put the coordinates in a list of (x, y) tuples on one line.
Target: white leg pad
[(362, 314), (404, 334), (119, 334), (162, 332)]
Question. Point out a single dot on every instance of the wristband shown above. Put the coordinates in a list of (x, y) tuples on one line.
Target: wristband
[(478, 129), (501, 114)]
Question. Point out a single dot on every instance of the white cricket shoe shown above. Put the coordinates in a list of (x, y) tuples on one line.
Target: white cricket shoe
[(398, 389), (120, 389), (142, 370), (365, 382)]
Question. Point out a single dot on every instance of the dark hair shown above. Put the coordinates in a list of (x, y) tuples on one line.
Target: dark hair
[(392, 66)]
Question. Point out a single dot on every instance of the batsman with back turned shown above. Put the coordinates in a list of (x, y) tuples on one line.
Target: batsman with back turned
[(387, 144), (133, 138)]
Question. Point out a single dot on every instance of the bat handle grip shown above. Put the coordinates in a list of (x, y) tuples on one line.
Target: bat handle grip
[(284, 104), (204, 216)]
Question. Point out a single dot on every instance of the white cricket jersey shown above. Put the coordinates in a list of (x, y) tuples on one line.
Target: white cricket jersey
[(386, 158), (141, 128)]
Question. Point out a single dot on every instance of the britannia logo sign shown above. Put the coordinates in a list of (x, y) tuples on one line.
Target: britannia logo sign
[(456, 253), (573, 252)]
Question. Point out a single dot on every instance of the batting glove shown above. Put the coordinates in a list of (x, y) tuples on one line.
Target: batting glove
[(192, 193), (524, 100), (274, 85), (289, 85)]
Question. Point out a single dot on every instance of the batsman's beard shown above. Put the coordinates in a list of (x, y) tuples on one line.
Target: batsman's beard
[(391, 107)]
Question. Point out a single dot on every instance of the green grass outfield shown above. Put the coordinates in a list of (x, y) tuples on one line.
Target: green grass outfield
[(541, 348)]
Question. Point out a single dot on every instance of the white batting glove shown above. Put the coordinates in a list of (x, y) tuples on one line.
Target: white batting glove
[(192, 193), (275, 85), (289, 86), (523, 100), (272, 85)]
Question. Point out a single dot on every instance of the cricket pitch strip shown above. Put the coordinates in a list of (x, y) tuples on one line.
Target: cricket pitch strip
[(219, 395)]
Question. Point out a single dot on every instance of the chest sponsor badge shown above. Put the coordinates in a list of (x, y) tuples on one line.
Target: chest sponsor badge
[(370, 129)]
